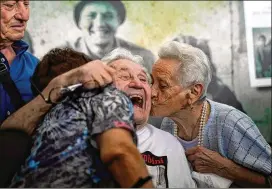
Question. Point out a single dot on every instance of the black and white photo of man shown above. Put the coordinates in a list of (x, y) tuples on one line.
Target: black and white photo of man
[(99, 22)]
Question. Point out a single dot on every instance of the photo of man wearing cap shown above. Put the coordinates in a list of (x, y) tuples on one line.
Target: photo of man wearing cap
[(99, 22)]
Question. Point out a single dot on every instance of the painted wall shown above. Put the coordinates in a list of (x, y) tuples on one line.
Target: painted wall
[(150, 23)]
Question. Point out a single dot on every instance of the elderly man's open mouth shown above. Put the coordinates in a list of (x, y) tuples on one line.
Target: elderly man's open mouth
[(137, 100)]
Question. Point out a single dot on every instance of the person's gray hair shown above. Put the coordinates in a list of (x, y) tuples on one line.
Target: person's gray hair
[(195, 66), (121, 53)]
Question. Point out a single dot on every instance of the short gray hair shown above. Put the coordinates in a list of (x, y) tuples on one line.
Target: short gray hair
[(121, 53), (195, 66)]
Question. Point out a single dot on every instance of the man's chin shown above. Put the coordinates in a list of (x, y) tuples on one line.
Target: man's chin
[(140, 120), (16, 36), (98, 40)]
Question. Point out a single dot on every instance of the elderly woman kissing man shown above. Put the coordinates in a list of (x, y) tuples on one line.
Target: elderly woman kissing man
[(219, 139)]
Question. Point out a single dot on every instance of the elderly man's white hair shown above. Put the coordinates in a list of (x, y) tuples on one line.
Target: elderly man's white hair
[(121, 53), (195, 66)]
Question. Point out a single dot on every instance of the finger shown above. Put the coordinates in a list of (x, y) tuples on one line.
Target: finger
[(98, 78), (107, 78), (111, 70), (199, 162), (191, 158), (95, 62), (191, 151), (203, 169), (91, 84), (199, 168)]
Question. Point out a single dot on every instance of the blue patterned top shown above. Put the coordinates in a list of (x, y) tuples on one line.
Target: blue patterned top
[(65, 152), (235, 136)]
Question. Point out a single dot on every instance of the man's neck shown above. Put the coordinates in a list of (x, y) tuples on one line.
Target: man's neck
[(100, 50), (8, 52), (140, 126), (4, 44)]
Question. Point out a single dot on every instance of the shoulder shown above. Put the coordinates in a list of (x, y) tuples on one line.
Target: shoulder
[(237, 130), (228, 114), (111, 102), (34, 59), (226, 123), (27, 61), (135, 48)]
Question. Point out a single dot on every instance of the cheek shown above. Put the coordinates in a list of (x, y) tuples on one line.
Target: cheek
[(5, 17), (119, 84), (85, 23), (169, 94), (148, 99), (113, 24), (169, 102)]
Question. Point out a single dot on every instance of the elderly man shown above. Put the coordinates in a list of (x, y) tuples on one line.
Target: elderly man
[(163, 155), (16, 64), (99, 21)]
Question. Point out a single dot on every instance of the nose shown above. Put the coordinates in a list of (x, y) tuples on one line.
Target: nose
[(22, 12), (136, 83), (154, 92), (99, 21)]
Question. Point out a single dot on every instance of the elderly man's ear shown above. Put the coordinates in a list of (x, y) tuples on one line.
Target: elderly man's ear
[(194, 93)]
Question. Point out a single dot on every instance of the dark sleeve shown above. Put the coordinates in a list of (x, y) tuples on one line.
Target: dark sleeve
[(112, 109), (15, 146)]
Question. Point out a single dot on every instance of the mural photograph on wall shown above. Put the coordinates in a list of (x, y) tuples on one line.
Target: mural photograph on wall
[(258, 29), (216, 27)]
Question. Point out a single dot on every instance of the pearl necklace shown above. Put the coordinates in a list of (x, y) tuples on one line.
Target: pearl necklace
[(201, 124)]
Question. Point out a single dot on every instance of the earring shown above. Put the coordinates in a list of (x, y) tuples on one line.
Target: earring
[(191, 106)]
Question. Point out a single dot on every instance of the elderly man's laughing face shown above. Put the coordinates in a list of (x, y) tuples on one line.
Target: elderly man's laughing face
[(131, 78)]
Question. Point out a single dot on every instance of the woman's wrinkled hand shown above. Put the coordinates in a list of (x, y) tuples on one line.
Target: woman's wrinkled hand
[(95, 74), (204, 160)]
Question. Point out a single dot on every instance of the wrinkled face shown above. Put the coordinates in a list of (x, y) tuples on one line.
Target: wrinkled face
[(168, 96), (131, 78), (99, 22), (14, 17)]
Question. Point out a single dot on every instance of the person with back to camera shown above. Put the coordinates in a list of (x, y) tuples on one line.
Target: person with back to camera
[(19, 112)]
